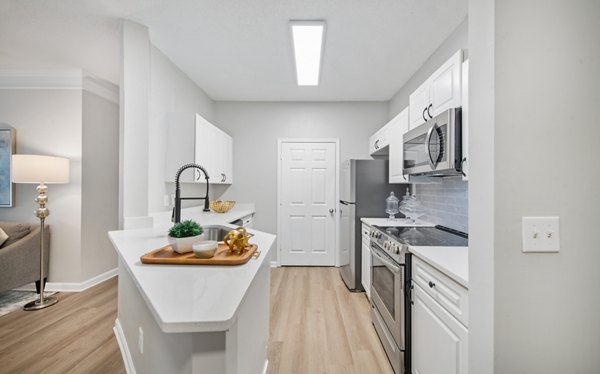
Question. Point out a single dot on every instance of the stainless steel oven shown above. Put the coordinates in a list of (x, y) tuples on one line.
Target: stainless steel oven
[(391, 317)]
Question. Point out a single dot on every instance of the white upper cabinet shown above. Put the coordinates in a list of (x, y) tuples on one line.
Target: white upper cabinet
[(192, 139), (379, 142), (441, 91), (397, 127), (418, 104)]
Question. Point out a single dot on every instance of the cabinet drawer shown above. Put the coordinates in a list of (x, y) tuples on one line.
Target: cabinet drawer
[(451, 295)]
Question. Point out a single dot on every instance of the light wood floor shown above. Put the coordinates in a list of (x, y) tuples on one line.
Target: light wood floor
[(73, 336), (317, 326)]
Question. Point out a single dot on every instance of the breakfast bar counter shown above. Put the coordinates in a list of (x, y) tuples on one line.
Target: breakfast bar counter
[(191, 318)]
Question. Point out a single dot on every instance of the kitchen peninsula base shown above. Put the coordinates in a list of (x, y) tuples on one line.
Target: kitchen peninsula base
[(240, 349), (191, 318)]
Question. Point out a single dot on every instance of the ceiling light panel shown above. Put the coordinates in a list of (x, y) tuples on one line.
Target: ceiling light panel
[(307, 38)]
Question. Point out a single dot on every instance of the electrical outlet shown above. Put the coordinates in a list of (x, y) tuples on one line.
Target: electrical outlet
[(141, 339), (541, 234)]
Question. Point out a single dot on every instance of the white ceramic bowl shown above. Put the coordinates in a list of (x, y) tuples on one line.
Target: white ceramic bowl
[(205, 249)]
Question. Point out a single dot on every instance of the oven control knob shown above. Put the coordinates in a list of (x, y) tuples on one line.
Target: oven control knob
[(397, 250), (386, 244), (378, 235)]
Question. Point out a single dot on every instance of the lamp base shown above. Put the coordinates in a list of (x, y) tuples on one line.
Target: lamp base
[(37, 304)]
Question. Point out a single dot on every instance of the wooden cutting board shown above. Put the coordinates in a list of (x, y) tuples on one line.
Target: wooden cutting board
[(166, 255)]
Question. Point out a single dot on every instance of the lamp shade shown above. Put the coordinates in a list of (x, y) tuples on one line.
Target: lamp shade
[(39, 169)]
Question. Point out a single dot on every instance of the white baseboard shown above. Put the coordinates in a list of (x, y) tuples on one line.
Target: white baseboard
[(127, 360), (82, 286), (266, 367), (274, 264)]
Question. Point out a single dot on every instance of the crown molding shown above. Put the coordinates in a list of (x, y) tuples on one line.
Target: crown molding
[(58, 79), (63, 79)]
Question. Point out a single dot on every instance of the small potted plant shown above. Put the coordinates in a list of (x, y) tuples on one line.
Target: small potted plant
[(184, 234)]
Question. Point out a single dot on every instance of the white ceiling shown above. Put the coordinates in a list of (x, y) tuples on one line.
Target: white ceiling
[(238, 49)]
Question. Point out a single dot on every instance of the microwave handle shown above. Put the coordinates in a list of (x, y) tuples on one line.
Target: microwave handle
[(427, 140)]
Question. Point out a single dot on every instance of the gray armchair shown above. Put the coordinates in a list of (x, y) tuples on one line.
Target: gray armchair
[(20, 255)]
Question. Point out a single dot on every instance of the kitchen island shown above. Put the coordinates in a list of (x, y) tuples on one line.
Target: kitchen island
[(191, 318)]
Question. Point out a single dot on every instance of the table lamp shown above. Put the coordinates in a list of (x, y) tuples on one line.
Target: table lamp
[(40, 170)]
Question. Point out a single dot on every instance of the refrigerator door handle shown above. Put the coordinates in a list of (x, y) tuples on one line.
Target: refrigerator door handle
[(346, 202)]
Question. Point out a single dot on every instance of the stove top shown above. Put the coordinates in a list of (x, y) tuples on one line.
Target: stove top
[(438, 236)]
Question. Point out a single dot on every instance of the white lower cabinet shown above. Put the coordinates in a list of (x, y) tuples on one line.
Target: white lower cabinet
[(439, 341), (366, 259)]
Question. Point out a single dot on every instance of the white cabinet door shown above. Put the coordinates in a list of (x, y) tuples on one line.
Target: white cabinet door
[(445, 84), (439, 341), (441, 91), (228, 159), (398, 126), (204, 149), (378, 142), (191, 139), (418, 102)]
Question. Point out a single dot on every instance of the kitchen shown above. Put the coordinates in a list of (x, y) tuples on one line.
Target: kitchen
[(493, 220)]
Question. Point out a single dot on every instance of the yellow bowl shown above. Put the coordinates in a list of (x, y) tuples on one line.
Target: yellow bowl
[(222, 206)]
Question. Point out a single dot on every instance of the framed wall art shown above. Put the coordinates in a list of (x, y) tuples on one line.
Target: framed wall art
[(7, 149)]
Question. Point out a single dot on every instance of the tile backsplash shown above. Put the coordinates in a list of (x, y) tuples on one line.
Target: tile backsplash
[(446, 203)]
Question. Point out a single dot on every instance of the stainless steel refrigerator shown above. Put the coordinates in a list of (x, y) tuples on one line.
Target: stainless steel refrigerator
[(363, 189)]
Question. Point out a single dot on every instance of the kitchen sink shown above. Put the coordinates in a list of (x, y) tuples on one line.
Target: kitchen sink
[(215, 232)]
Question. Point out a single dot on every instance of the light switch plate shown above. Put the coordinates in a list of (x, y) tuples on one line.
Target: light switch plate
[(541, 234)]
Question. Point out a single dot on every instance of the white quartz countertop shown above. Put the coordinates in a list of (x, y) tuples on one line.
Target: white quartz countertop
[(452, 261), (386, 222), (189, 298)]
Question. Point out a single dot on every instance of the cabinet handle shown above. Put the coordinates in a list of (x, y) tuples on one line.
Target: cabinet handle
[(223, 177), (377, 144), (431, 284), (429, 110), (424, 118)]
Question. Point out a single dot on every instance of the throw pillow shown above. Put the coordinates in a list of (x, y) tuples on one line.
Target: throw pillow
[(3, 237)]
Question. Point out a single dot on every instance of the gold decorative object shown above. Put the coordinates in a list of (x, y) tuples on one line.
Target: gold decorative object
[(237, 239), (222, 206)]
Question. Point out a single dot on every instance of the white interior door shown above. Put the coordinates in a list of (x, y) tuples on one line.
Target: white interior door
[(307, 203)]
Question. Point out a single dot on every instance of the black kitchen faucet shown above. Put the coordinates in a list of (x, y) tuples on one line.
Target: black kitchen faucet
[(176, 216)]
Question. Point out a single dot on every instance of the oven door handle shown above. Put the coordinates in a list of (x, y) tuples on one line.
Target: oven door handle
[(386, 262)]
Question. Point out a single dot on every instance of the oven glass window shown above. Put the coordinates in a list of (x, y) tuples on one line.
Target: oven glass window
[(384, 284)]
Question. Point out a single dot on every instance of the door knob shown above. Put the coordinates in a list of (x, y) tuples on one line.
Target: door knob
[(331, 210)]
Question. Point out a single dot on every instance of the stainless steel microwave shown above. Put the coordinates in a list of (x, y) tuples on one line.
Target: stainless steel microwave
[(435, 147)]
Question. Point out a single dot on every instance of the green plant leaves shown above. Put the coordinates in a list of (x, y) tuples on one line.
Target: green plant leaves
[(185, 229)]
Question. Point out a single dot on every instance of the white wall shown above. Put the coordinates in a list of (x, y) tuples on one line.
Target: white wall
[(152, 87), (481, 186), (100, 187), (256, 126), (170, 91), (546, 132), (48, 122)]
